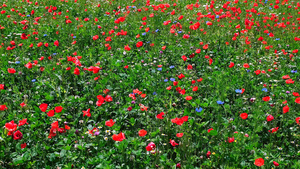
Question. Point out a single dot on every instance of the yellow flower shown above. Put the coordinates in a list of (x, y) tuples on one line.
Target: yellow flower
[(213, 153)]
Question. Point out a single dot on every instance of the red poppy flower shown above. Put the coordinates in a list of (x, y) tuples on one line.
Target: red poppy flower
[(120, 137), (43, 107), (56, 43), (1, 86), (139, 44), (210, 130), (270, 118), (151, 146), (275, 163), (286, 109), (11, 70), (58, 109), (11, 127), (127, 48), (142, 133), (298, 120), (109, 123), (23, 145), (179, 134), (87, 113), (298, 100), (259, 162), (289, 81), (244, 116), (76, 71), (231, 64), (188, 98), (266, 99), (246, 65), (285, 77), (160, 115), (108, 98), (50, 113), (230, 139), (173, 143), (17, 135), (22, 122), (178, 121)]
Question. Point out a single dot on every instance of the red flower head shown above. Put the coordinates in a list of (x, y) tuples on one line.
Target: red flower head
[(1, 86), (11, 127), (259, 162), (298, 100), (298, 120), (270, 118), (286, 109), (173, 143), (22, 122), (160, 115), (119, 137), (3, 107), (230, 140), (43, 107), (275, 163), (244, 116), (151, 146), (50, 113), (266, 99), (142, 133), (23, 145), (110, 123), (139, 44), (87, 113), (58, 109), (17, 135), (108, 98), (179, 135), (76, 71), (11, 70), (56, 43), (231, 64), (178, 121)]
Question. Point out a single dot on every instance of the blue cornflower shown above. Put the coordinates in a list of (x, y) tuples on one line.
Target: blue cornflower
[(294, 71), (248, 71), (154, 93), (28, 15), (199, 109), (144, 33), (74, 37), (171, 67), (220, 102), (54, 53), (18, 62), (33, 80), (217, 16), (264, 89), (156, 30), (172, 79), (175, 22), (238, 91), (179, 31), (277, 38), (133, 7), (159, 69), (270, 8), (166, 80), (45, 34)]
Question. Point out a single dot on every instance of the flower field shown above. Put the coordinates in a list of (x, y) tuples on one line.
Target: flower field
[(149, 84)]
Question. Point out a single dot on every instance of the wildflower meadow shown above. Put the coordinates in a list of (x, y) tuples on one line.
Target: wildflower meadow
[(142, 84)]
